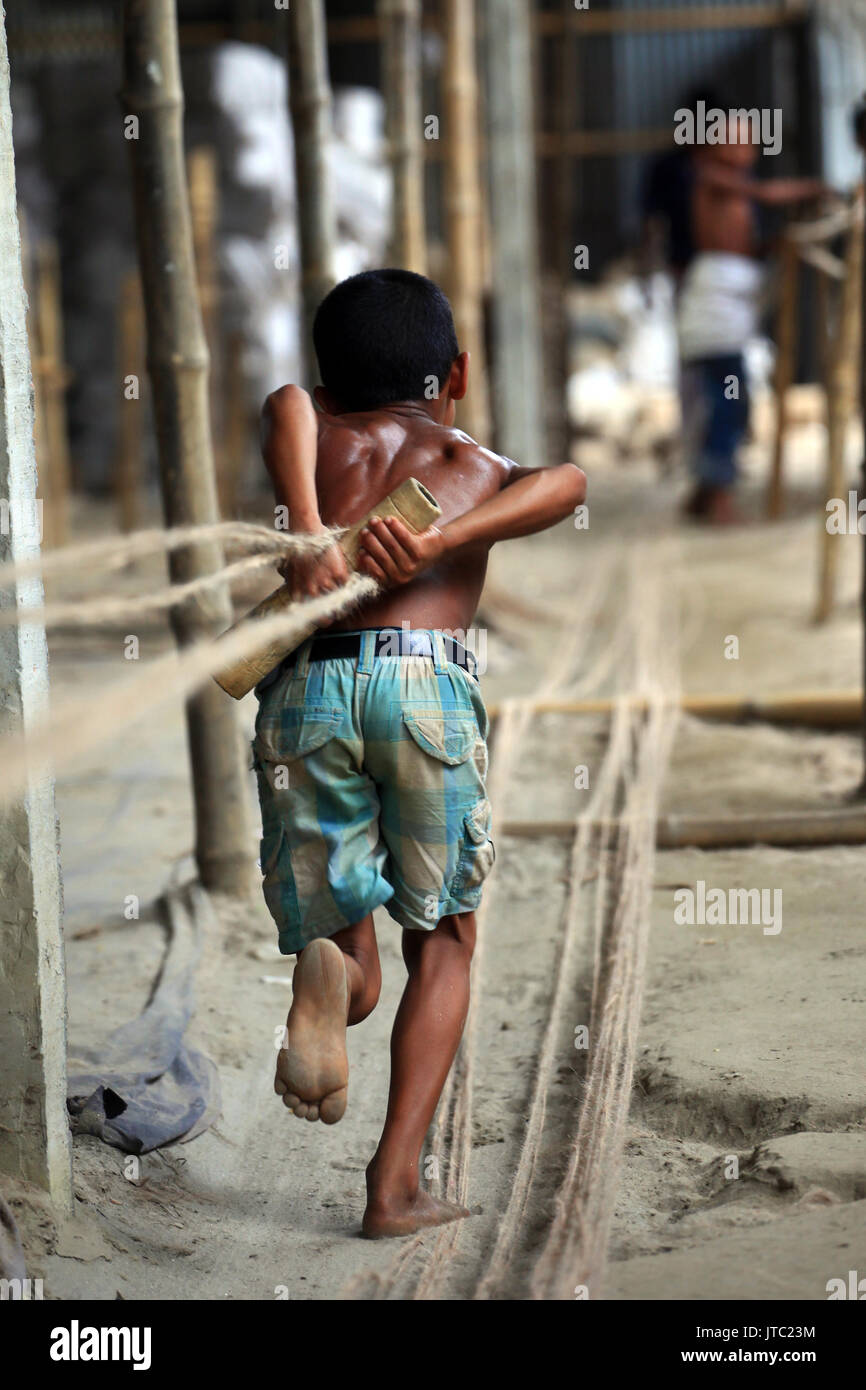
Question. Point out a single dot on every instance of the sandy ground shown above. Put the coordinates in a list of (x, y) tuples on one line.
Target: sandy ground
[(744, 1172)]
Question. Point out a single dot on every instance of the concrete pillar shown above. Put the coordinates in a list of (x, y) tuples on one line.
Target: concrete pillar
[(34, 1131)]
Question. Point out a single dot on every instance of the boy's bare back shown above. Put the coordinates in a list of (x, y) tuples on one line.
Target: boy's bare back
[(364, 456)]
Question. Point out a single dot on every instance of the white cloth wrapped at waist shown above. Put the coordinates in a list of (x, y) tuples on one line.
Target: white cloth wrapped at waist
[(718, 304)]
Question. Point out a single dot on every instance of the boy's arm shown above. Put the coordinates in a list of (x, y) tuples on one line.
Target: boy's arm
[(289, 442), (290, 435), (530, 500), (774, 192)]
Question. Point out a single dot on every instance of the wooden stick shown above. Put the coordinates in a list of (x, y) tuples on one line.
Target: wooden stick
[(128, 471), (516, 374), (841, 397), (310, 104), (797, 829), (786, 349), (236, 423), (833, 710), (177, 358), (54, 380), (463, 208), (401, 82), (44, 473), (201, 170), (410, 501)]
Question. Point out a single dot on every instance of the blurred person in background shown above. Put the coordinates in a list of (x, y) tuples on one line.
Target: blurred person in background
[(718, 309)]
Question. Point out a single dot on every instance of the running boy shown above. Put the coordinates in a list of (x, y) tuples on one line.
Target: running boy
[(370, 739)]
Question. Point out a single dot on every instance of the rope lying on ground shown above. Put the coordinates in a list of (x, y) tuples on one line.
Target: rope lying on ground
[(79, 725), (511, 732), (584, 846), (453, 1125), (630, 779), (574, 1254)]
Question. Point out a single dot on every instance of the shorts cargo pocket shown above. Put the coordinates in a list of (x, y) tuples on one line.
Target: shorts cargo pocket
[(450, 738), (278, 884), (295, 731), (478, 853)]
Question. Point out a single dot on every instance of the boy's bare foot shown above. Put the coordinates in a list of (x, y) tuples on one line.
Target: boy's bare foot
[(313, 1070), (722, 510), (403, 1216)]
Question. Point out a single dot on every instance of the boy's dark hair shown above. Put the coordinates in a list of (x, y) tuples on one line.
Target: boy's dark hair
[(381, 335)]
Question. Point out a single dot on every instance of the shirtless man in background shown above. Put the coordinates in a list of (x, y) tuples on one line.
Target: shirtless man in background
[(718, 311), (370, 745)]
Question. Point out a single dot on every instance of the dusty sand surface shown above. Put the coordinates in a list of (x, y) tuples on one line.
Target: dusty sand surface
[(744, 1174)]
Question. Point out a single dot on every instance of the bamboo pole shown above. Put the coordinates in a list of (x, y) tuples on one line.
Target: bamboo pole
[(178, 365), (202, 179), (44, 472), (841, 398), (786, 350), (401, 84), (201, 166), (833, 710), (128, 472), (463, 208), (310, 104), (804, 829), (516, 374), (236, 423), (562, 241), (53, 377)]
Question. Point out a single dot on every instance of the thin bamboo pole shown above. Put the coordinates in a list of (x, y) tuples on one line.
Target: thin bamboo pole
[(44, 471), (841, 397), (128, 470), (177, 361), (798, 829), (201, 169), (401, 83), (561, 259), (516, 374), (463, 208), (236, 423), (786, 350), (53, 376), (834, 710), (310, 104)]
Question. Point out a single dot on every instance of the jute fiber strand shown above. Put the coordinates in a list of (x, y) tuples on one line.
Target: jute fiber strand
[(450, 1146), (117, 553), (411, 502), (91, 612), (79, 725), (586, 850), (572, 1261), (510, 740), (628, 783)]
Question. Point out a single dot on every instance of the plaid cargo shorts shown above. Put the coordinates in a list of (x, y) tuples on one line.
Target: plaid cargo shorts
[(371, 777)]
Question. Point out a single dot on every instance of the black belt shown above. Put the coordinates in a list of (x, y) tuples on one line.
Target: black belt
[(389, 642)]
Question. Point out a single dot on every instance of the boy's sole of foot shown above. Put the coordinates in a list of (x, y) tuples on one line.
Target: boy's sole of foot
[(313, 1069), (404, 1219)]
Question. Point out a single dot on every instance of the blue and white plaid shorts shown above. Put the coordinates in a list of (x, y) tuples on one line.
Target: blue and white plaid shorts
[(371, 773)]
